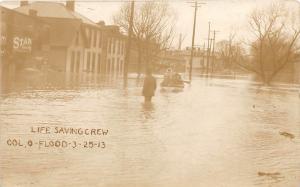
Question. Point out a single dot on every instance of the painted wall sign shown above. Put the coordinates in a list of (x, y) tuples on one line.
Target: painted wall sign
[(3, 40), (22, 44), (3, 44)]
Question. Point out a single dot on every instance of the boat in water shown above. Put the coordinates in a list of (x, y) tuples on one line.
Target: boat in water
[(172, 81)]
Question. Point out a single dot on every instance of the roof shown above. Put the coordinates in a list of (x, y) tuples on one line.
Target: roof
[(63, 31), (53, 10)]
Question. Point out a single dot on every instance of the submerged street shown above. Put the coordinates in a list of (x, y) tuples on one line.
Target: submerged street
[(215, 132)]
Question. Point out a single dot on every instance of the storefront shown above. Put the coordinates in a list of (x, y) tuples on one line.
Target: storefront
[(22, 40)]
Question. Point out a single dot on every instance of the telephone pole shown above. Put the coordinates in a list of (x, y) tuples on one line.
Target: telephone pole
[(193, 39), (213, 51), (180, 40), (203, 57), (127, 58), (196, 6), (208, 49)]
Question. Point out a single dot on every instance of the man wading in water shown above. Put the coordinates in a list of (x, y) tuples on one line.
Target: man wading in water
[(149, 86)]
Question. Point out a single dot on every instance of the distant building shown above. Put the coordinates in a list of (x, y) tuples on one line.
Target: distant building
[(199, 62), (202, 62), (172, 59)]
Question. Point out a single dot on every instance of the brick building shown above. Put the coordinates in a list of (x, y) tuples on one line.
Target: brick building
[(24, 38), (75, 41), (77, 44), (115, 44)]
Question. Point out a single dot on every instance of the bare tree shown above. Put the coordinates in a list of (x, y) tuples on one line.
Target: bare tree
[(153, 29), (275, 40), (231, 53), (226, 50)]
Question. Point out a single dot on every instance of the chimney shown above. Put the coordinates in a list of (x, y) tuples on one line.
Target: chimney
[(70, 5), (101, 23), (32, 12), (23, 3)]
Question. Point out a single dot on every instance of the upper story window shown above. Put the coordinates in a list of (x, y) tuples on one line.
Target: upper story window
[(121, 46), (77, 38), (91, 38), (100, 39), (114, 46), (95, 37), (109, 45), (87, 30), (118, 46)]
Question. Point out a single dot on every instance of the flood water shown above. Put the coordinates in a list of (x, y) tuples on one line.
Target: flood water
[(213, 133)]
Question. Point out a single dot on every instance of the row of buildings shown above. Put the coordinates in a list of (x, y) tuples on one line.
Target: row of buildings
[(201, 62), (54, 35), (214, 64)]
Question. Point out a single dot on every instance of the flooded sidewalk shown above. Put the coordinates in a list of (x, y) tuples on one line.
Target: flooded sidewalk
[(213, 133)]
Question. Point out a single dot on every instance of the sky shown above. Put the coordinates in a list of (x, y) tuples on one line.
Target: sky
[(225, 16)]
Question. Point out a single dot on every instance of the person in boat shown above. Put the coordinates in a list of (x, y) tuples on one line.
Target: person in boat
[(168, 76), (149, 86), (177, 78)]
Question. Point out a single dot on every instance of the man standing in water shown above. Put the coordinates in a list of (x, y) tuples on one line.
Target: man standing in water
[(149, 86)]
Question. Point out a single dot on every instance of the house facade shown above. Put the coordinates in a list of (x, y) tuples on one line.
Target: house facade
[(77, 44), (115, 44), (23, 39)]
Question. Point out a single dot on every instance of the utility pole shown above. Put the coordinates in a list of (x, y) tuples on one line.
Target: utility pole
[(208, 49), (127, 58), (213, 52), (193, 40), (180, 40), (203, 57)]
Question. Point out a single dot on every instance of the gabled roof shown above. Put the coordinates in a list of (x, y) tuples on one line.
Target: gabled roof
[(53, 10), (63, 30)]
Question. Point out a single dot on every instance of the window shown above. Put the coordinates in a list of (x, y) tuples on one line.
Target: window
[(72, 61), (109, 45), (99, 63), (88, 61), (113, 65), (77, 38), (118, 65), (78, 61), (123, 47), (87, 32), (100, 39), (91, 38), (121, 65), (119, 47), (95, 38), (114, 46), (108, 65), (93, 62)]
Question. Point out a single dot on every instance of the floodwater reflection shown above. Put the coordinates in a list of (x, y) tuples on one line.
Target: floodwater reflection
[(213, 133)]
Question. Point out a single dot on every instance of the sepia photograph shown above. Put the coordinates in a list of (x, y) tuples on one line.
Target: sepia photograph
[(150, 93)]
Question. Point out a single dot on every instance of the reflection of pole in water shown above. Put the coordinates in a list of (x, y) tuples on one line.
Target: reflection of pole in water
[(148, 109)]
